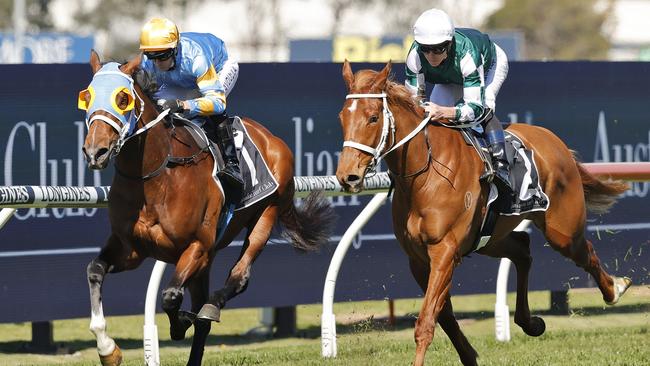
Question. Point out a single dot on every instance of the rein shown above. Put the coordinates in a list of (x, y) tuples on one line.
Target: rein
[(169, 158), (388, 127), (486, 116)]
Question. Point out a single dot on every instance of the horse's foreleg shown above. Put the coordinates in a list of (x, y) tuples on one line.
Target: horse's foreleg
[(446, 319), (240, 273), (198, 287), (109, 352), (449, 324), (195, 259), (442, 260)]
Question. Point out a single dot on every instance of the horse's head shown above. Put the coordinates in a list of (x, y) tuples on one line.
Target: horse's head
[(112, 109), (364, 120)]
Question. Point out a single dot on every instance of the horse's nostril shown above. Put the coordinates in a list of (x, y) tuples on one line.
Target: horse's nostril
[(352, 179), (101, 152)]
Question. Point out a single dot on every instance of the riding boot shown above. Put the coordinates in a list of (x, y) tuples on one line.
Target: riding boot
[(226, 142), (210, 130), (496, 140)]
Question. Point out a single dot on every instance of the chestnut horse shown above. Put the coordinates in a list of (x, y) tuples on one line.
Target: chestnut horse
[(165, 204), (439, 203)]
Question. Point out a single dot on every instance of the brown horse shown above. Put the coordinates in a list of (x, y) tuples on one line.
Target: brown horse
[(165, 204), (439, 203)]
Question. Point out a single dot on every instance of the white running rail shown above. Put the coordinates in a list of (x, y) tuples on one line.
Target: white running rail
[(13, 197), (328, 319)]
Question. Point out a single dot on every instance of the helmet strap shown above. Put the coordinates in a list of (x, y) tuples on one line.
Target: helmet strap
[(173, 59)]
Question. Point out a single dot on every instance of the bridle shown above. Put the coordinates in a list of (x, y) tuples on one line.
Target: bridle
[(388, 129), (124, 129)]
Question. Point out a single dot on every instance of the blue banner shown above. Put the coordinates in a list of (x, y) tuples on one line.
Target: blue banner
[(44, 48), (598, 109)]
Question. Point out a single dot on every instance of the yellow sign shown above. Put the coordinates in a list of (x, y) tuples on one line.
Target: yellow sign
[(369, 49)]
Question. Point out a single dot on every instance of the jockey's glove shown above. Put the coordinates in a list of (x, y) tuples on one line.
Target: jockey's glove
[(174, 105)]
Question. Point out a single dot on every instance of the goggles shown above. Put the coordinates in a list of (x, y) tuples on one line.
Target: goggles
[(437, 49), (160, 55)]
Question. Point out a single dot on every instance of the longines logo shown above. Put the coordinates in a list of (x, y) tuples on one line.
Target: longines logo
[(16, 194)]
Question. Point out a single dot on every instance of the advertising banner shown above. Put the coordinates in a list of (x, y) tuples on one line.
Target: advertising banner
[(597, 109), (44, 48)]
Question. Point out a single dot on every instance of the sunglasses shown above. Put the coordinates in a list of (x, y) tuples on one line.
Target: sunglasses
[(436, 48), (160, 55)]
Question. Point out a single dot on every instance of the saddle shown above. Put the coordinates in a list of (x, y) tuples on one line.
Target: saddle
[(527, 196), (259, 182)]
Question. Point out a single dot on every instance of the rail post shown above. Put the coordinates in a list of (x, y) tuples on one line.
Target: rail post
[(328, 319)]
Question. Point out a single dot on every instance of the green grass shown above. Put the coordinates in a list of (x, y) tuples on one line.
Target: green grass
[(592, 335)]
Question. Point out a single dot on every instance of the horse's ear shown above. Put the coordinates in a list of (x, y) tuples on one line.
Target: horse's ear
[(388, 67), (95, 64), (348, 76), (379, 84), (132, 65)]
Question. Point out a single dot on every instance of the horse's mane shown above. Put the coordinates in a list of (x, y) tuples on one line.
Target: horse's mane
[(397, 93), (145, 81)]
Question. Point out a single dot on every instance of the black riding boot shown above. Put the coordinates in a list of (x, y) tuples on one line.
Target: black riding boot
[(226, 141), (496, 140)]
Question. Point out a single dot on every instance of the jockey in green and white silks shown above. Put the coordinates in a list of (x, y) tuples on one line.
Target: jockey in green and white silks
[(194, 75), (469, 79), (467, 70)]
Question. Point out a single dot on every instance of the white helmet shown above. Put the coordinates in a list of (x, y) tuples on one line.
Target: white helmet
[(434, 26)]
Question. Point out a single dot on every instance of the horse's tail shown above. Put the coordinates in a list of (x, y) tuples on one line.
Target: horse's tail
[(309, 226), (600, 195)]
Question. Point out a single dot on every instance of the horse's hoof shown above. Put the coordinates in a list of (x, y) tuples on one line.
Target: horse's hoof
[(536, 328), (209, 312), (114, 359), (185, 319), (621, 284)]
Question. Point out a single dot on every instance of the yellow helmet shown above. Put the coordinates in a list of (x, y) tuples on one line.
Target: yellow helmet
[(158, 34)]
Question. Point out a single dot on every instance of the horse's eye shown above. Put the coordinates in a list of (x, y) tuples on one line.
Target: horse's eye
[(121, 100), (373, 119)]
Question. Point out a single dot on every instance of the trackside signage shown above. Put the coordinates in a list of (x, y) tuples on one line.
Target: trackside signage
[(44, 48), (596, 108), (54, 196)]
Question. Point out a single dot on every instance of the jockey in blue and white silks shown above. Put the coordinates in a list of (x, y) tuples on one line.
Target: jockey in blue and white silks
[(194, 75), (467, 70)]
